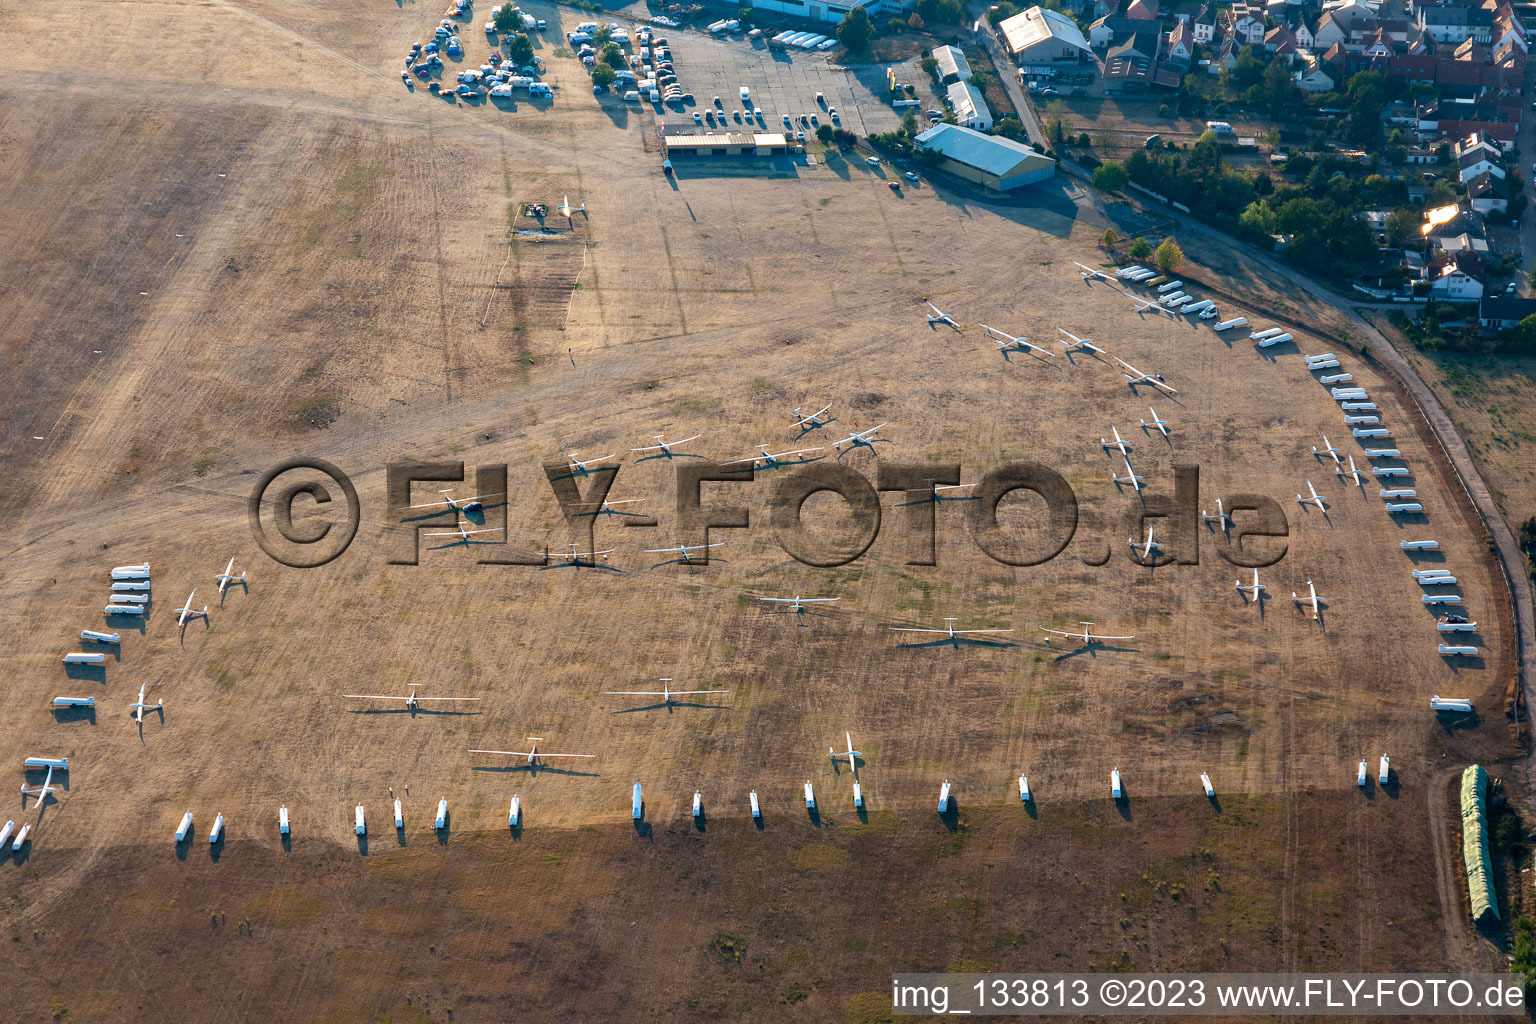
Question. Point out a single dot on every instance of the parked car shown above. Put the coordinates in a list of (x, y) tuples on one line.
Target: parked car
[(911, 176), (873, 161), (697, 119)]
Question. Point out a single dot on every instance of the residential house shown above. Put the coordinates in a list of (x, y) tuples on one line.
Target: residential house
[(1472, 50), (1455, 230), (1181, 44), (1378, 46), (1313, 78), (1142, 10), (1246, 25), (1488, 193), (1328, 32), (1280, 39), (1448, 24), (1304, 37), (1113, 30), (1204, 24), (1456, 277), (1132, 66), (1501, 312)]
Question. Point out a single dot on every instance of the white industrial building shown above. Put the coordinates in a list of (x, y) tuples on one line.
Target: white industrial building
[(953, 67), (1041, 37), (990, 161), (970, 106)]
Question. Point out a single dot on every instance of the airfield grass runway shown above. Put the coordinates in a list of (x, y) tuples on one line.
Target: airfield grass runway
[(257, 245)]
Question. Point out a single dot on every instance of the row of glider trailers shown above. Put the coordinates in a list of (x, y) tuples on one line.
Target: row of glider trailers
[(805, 40), (1363, 418)]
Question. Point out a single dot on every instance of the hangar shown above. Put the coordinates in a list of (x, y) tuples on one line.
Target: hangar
[(988, 160)]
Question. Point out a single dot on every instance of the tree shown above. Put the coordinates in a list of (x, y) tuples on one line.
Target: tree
[(1367, 92), (1168, 256), (980, 79), (916, 23), (1002, 12), (1110, 176), (614, 57), (1402, 227), (941, 11), (1258, 219), (604, 75), (1140, 249), (856, 30), (824, 134), (506, 19), (930, 66), (1057, 125), (521, 50), (1109, 239), (1525, 332)]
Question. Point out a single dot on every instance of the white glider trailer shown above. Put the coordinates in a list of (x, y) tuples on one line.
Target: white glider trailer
[(282, 821), (858, 796), (1441, 599), (1276, 340), (1438, 703), (1265, 334), (360, 825), (1227, 325), (1384, 770), (637, 805), (21, 838), (441, 821), (1420, 545), (123, 609), (185, 828), (78, 658), (1362, 777), (1205, 780), (1453, 650), (217, 832), (5, 832), (98, 637), (1023, 789), (1115, 791), (60, 703), (698, 805), (810, 796), (944, 798), (757, 812), (399, 816), (514, 812)]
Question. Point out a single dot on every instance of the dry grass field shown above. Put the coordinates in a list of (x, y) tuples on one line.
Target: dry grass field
[(233, 237)]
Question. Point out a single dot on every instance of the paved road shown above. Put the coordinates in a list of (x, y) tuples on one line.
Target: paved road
[(1526, 140), (1006, 71), (1506, 548)]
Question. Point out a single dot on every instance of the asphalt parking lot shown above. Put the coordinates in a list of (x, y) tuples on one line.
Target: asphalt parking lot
[(781, 83)]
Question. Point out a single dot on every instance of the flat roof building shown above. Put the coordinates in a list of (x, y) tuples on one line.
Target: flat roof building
[(683, 144), (990, 161)]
